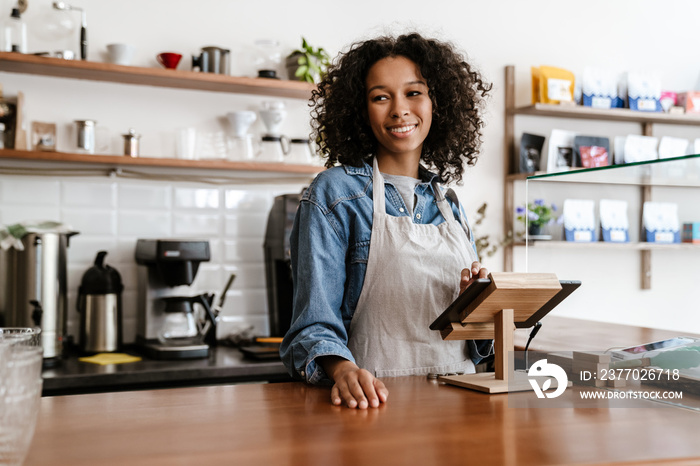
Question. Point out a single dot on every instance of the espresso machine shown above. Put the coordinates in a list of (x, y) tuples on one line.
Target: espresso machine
[(278, 270), (171, 322)]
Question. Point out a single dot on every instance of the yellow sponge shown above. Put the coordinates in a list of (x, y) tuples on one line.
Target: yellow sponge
[(110, 358)]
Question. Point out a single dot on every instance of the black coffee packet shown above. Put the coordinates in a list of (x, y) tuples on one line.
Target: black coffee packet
[(530, 152)]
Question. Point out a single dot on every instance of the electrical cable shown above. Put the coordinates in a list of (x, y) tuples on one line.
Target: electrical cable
[(534, 331)]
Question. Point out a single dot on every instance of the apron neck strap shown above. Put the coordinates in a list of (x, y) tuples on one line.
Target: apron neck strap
[(378, 188), (379, 197), (439, 196), (442, 204)]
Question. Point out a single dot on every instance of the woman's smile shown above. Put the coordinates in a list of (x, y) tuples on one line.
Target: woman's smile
[(402, 131)]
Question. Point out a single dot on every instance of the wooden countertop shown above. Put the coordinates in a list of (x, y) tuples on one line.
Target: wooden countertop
[(423, 422)]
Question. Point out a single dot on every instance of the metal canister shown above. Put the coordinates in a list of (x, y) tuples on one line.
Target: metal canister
[(131, 143), (86, 135)]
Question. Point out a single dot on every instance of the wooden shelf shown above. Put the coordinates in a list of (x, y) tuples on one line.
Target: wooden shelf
[(613, 114), (607, 246), (124, 161), (159, 77)]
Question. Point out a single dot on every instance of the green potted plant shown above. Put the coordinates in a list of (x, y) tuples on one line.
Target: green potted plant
[(307, 63), (536, 216)]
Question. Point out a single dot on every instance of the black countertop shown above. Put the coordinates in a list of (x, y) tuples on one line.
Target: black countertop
[(225, 365)]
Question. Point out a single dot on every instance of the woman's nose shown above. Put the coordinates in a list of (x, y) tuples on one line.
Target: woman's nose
[(400, 108)]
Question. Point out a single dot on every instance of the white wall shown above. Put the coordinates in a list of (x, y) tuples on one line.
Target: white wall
[(623, 35)]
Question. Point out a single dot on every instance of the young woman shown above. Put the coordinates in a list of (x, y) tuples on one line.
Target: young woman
[(378, 248)]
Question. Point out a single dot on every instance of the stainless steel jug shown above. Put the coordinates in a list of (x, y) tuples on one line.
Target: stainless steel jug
[(100, 306), (39, 273), (218, 60)]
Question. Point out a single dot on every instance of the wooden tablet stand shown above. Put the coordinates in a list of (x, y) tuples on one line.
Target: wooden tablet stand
[(509, 298)]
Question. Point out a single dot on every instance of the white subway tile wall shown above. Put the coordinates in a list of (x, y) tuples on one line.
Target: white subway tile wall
[(92, 221), (42, 192), (89, 194), (111, 214)]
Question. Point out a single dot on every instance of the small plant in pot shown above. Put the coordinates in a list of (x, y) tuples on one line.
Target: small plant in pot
[(536, 215), (307, 63)]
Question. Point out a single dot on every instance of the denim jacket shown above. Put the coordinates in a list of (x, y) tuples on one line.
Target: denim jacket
[(329, 250)]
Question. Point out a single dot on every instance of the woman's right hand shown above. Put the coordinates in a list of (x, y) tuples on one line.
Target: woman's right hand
[(355, 387)]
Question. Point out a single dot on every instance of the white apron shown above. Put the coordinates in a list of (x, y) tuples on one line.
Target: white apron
[(413, 274)]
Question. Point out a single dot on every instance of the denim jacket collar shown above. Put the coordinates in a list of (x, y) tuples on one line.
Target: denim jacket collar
[(425, 175)]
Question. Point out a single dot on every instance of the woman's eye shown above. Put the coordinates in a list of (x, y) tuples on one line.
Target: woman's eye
[(414, 93), (378, 98)]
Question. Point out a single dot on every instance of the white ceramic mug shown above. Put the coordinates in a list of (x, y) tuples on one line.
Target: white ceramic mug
[(120, 54)]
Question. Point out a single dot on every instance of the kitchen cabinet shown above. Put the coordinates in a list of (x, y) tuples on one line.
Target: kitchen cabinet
[(682, 172), (177, 79)]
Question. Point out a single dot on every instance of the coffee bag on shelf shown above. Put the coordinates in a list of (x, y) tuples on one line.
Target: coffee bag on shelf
[(591, 151), (599, 88), (614, 224), (644, 92), (551, 85), (579, 220), (660, 222)]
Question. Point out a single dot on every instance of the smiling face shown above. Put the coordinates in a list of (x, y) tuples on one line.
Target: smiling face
[(399, 109)]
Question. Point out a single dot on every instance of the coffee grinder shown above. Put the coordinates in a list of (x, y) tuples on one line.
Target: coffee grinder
[(278, 269), (168, 326)]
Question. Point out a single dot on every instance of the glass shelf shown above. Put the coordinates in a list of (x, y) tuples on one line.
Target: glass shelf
[(678, 171)]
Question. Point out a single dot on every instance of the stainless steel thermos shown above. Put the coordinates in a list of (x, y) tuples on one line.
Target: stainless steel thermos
[(131, 143), (213, 60), (100, 307), (34, 283)]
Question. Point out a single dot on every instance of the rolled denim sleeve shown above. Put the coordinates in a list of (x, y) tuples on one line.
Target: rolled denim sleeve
[(318, 255)]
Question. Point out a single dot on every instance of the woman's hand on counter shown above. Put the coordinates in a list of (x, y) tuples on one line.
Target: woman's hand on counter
[(355, 387), (471, 274)]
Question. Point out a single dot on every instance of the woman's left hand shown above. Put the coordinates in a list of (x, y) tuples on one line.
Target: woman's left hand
[(469, 275)]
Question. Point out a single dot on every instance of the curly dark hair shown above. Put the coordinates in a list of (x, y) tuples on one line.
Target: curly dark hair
[(339, 115)]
